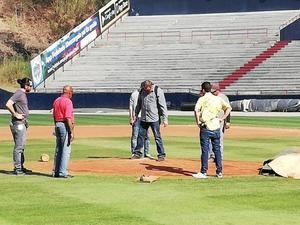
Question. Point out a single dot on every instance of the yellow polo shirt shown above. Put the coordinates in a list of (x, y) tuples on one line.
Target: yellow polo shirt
[(209, 107)]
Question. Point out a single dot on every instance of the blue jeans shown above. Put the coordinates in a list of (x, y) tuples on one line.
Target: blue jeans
[(62, 151), (211, 153), (134, 137), (155, 127), (207, 136)]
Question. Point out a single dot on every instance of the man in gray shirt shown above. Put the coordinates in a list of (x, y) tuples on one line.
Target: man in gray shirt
[(152, 104), (17, 105), (135, 124)]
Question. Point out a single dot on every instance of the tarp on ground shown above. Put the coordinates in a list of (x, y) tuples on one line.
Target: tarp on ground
[(286, 164), (266, 105)]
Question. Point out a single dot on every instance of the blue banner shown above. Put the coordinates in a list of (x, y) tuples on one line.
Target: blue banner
[(72, 43), (64, 49)]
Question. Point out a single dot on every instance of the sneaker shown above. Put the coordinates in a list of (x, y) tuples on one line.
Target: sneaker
[(219, 175), (134, 156), (161, 158), (66, 177), (200, 176), (25, 170), (63, 176), (149, 156), (19, 173)]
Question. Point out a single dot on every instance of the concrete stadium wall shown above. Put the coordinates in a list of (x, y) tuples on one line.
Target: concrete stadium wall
[(44, 101), (4, 96), (184, 101), (170, 7), (291, 32)]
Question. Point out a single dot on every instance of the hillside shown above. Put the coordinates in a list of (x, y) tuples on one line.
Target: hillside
[(24, 28), (29, 26)]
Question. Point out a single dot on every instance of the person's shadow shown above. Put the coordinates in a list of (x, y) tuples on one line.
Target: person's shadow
[(9, 172), (169, 169), (106, 157)]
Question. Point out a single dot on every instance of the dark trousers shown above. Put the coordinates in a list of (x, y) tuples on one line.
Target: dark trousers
[(213, 136), (155, 127)]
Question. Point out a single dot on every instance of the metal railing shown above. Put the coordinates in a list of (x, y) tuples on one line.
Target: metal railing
[(119, 90), (227, 33), (179, 35), (144, 35)]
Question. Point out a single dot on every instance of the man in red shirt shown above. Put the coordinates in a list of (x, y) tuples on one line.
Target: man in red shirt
[(64, 130)]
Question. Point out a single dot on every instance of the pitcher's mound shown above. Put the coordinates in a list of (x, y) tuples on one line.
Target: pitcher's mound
[(169, 167)]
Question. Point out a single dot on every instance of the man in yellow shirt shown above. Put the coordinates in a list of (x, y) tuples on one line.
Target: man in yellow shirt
[(206, 113)]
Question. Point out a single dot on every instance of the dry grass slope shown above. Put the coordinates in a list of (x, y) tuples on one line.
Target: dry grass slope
[(27, 27)]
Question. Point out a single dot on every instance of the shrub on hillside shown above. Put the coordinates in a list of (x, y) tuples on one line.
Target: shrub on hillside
[(13, 68), (69, 13)]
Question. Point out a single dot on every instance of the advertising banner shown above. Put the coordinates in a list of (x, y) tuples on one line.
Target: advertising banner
[(112, 12), (122, 7), (72, 43), (108, 14), (64, 49), (37, 71)]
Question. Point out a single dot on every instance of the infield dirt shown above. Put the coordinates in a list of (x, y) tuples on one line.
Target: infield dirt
[(169, 167), (44, 132)]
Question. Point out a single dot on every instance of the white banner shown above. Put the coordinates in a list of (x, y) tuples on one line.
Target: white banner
[(37, 71)]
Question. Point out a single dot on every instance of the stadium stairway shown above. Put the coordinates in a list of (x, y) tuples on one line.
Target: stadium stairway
[(252, 64)]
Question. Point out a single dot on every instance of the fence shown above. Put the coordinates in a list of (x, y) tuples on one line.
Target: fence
[(192, 34)]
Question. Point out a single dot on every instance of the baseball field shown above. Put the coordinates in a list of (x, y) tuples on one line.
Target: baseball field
[(105, 190)]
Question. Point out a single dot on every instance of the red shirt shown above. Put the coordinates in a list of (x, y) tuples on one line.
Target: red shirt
[(63, 109)]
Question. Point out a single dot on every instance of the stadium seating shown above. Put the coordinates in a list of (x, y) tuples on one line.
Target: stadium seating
[(177, 52), (279, 75), (252, 64)]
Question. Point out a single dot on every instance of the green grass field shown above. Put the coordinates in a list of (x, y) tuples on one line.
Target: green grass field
[(46, 120), (96, 199)]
